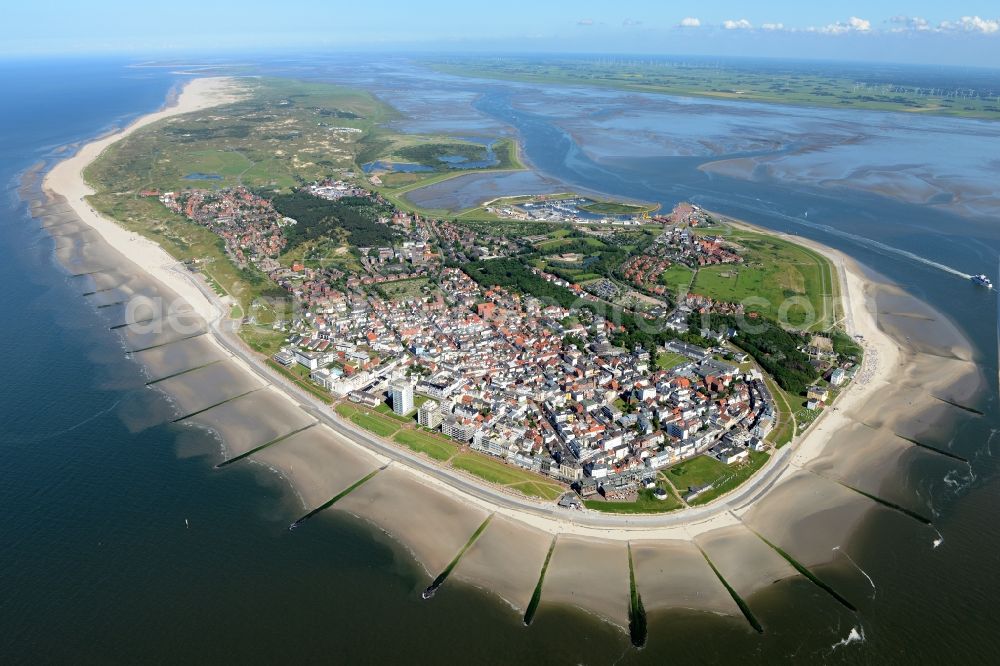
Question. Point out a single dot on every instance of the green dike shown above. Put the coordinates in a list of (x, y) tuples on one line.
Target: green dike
[(336, 498), (439, 581), (736, 476), (424, 442), (536, 596), (374, 424), (637, 628), (747, 613)]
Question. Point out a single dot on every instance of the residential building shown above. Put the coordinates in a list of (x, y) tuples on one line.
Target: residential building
[(401, 393), (429, 414)]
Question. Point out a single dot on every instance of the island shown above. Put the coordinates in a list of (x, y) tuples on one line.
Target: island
[(526, 392)]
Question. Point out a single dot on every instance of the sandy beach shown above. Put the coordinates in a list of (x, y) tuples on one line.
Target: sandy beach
[(66, 179)]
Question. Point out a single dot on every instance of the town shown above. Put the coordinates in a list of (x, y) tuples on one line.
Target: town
[(543, 385)]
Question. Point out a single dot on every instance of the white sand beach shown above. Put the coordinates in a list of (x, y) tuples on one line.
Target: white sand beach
[(66, 179)]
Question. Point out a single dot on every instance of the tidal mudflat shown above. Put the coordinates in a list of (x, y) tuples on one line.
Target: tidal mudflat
[(253, 420), (318, 463), (674, 574), (571, 580), (176, 357), (506, 560), (432, 525)]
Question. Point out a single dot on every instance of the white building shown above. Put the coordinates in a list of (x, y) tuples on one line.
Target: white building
[(401, 392), (429, 414)]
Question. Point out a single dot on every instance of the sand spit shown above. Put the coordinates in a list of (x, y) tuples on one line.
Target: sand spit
[(674, 574), (318, 463), (253, 420), (432, 525), (506, 559), (590, 574)]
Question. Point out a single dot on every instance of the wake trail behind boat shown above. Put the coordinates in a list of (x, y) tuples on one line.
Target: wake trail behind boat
[(861, 240), (858, 567), (42, 438)]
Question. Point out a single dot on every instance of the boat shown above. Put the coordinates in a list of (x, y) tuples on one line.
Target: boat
[(982, 281)]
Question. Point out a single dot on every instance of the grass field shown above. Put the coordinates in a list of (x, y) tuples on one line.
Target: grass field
[(503, 474), (538, 489), (696, 472), (735, 476), (785, 275), (645, 503), (371, 421), (678, 278), (404, 290), (262, 340), (435, 446), (667, 360)]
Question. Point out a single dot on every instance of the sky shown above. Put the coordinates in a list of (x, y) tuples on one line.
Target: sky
[(965, 32)]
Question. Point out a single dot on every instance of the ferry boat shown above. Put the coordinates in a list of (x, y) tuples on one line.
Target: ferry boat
[(982, 281)]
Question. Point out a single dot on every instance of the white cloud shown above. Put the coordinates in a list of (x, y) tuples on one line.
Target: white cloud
[(854, 24), (631, 23), (906, 23), (861, 25), (690, 22), (972, 24), (741, 24), (772, 26), (585, 22)]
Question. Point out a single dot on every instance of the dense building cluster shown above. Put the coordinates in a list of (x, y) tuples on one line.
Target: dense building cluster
[(532, 382), (249, 225)]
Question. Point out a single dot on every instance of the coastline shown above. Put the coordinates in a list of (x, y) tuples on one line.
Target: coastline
[(447, 492), (66, 180)]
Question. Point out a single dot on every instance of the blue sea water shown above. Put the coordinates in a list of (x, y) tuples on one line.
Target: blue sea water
[(120, 543)]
